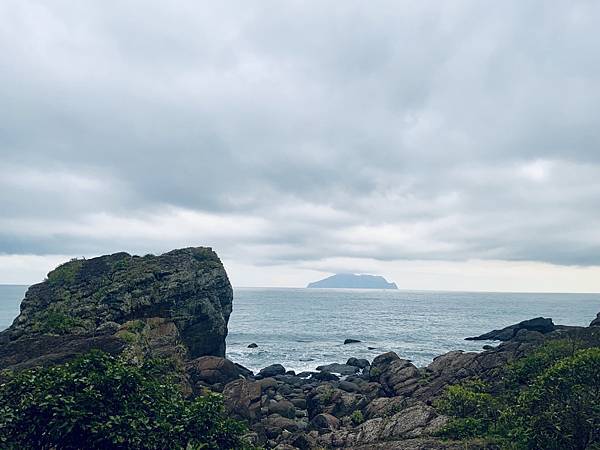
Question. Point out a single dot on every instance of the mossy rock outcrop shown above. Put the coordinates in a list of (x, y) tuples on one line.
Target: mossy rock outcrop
[(188, 288)]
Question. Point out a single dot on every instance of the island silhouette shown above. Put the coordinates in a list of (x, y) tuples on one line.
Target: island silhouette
[(353, 281)]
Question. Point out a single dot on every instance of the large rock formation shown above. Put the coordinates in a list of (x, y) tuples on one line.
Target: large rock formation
[(182, 298), (539, 324)]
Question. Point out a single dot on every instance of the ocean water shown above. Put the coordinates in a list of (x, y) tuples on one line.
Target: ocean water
[(304, 328)]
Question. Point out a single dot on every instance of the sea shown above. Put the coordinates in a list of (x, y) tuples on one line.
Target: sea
[(305, 328)]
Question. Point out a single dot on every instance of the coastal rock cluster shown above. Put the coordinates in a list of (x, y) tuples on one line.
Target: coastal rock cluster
[(177, 306), (387, 404)]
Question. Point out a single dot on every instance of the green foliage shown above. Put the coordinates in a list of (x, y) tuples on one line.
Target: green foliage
[(357, 417), (561, 410), (525, 370), (55, 321), (65, 273), (102, 402), (547, 400), (474, 410)]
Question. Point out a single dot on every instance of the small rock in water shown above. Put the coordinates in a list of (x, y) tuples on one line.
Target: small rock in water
[(372, 348), (253, 345), (351, 341)]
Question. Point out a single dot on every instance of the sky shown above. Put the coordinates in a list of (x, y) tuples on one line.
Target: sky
[(444, 145)]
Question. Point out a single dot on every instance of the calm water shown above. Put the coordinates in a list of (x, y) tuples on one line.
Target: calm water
[(303, 328)]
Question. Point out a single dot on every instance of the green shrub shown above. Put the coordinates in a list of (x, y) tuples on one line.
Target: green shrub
[(474, 411), (524, 370), (561, 410), (357, 417), (551, 402), (102, 402)]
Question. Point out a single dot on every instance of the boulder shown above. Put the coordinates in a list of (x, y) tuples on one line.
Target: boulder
[(539, 324), (253, 345), (188, 287), (351, 341), (242, 399), (325, 422), (324, 376), (397, 376), (212, 370), (342, 369), (385, 407), (284, 408), (360, 363), (596, 321), (272, 370)]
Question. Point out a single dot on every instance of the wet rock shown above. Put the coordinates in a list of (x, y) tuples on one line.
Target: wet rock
[(324, 376), (351, 341), (596, 321), (342, 369), (253, 345), (245, 372), (539, 324), (272, 370), (360, 363)]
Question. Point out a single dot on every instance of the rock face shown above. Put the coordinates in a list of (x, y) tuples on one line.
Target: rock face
[(188, 287), (596, 321), (539, 324)]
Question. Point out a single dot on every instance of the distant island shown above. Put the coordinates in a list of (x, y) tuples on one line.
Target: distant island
[(353, 281)]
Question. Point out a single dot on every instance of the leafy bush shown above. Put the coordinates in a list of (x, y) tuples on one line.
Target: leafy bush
[(102, 402), (561, 410), (547, 400), (357, 417)]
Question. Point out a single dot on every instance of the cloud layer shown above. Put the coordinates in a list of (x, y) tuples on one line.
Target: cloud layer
[(289, 134)]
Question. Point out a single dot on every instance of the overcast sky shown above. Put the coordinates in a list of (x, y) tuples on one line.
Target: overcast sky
[(444, 145)]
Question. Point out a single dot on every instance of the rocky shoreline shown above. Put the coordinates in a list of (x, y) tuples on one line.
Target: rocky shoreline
[(177, 305)]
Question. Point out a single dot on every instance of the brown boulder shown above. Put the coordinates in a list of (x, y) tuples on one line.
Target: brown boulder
[(242, 399), (212, 370)]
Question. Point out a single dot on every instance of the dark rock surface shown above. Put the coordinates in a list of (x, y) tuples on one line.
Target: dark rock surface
[(596, 321), (539, 324), (351, 341), (342, 369), (176, 303), (272, 370)]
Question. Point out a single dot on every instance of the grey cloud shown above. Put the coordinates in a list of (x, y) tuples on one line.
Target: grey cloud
[(393, 130)]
